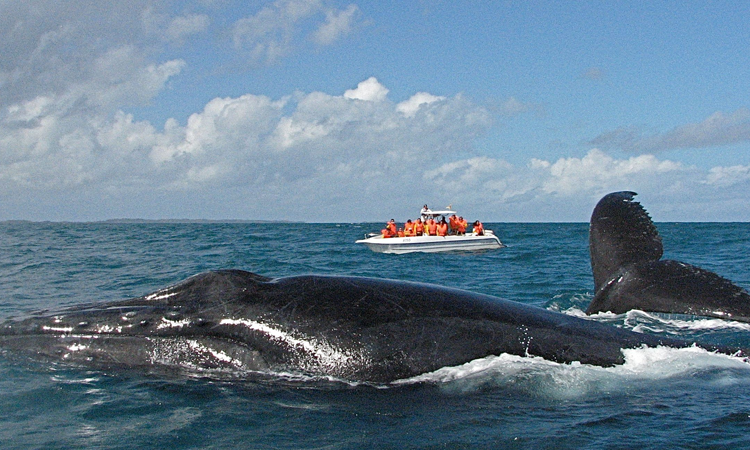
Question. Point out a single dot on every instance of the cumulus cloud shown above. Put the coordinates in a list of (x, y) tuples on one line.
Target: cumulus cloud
[(597, 170), (410, 107), (567, 188), (70, 150), (717, 130), (566, 177), (282, 150), (369, 90), (728, 176)]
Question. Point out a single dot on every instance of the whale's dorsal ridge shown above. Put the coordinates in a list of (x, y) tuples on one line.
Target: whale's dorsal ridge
[(621, 233), (206, 284)]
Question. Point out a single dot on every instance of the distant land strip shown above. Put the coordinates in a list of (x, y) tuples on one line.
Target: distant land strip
[(138, 221)]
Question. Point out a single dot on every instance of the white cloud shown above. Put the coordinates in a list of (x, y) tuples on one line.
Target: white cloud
[(410, 107), (337, 24), (369, 90), (225, 127), (279, 149), (182, 27), (513, 107), (275, 31), (69, 149), (728, 176), (597, 170), (716, 130), (329, 156)]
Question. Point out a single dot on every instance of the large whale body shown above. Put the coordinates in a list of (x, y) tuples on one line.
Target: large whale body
[(347, 328), (625, 252)]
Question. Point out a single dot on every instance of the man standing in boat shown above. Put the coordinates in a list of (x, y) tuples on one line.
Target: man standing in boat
[(425, 211)]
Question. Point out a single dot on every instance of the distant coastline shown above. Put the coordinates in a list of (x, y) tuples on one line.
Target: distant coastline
[(164, 221)]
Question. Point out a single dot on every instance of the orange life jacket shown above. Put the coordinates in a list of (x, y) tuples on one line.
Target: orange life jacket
[(431, 228), (442, 229), (419, 228), (409, 229)]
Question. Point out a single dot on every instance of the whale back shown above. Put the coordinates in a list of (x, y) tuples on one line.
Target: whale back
[(239, 324), (621, 233)]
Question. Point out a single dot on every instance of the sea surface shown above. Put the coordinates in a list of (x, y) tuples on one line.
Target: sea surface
[(660, 398)]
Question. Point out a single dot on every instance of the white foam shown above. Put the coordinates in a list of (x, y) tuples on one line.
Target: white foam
[(539, 377), (653, 322), (656, 322)]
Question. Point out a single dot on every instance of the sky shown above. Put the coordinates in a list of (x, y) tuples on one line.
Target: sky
[(339, 111)]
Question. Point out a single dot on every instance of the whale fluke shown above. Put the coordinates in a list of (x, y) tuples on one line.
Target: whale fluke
[(626, 248)]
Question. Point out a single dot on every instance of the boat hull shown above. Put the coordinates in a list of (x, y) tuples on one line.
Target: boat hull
[(432, 244)]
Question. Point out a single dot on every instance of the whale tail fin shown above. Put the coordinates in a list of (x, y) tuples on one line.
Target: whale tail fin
[(628, 274), (621, 233)]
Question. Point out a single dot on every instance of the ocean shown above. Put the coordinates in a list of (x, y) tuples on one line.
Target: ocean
[(660, 398)]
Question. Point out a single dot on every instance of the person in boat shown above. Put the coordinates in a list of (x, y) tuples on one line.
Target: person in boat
[(418, 228), (425, 211), (392, 227), (431, 227), (461, 225), (409, 228), (442, 228), (478, 228), (400, 233), (453, 224)]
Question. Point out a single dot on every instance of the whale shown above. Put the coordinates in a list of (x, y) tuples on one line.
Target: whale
[(354, 329), (626, 251)]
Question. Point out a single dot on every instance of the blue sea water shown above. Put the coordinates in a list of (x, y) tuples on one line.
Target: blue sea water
[(660, 398)]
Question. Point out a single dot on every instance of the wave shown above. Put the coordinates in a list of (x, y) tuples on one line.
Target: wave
[(675, 324), (537, 377)]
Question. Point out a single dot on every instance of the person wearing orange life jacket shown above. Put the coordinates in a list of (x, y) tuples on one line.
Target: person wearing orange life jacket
[(442, 228), (400, 232), (431, 227), (478, 228), (409, 228), (418, 228), (461, 224), (453, 224), (392, 227)]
